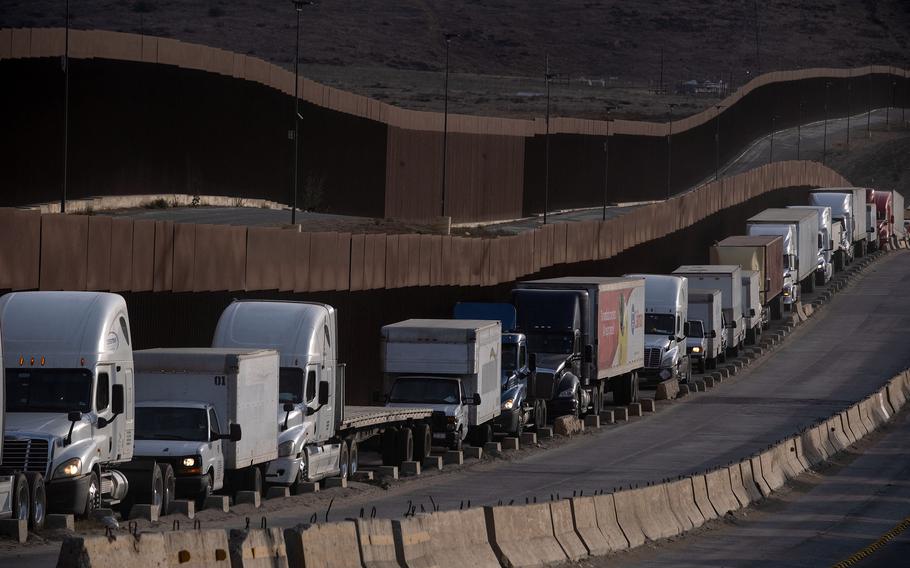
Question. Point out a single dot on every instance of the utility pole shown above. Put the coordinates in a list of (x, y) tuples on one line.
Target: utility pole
[(298, 5), (66, 106), (717, 142), (445, 124), (849, 105), (660, 82), (869, 105), (606, 163), (890, 104), (669, 146), (757, 42), (771, 144), (799, 126), (546, 186), (825, 135)]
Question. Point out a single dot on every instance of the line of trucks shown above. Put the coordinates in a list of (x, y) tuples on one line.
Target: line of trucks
[(88, 422)]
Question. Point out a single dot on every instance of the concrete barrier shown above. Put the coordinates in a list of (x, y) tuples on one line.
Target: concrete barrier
[(885, 400), (864, 413), (800, 452), (446, 538), (148, 549), (377, 543), (821, 434), (197, 549), (605, 510), (836, 435), (881, 408), (772, 470), (652, 509), (896, 393), (736, 484), (700, 493), (523, 536), (845, 424), (682, 503), (627, 518), (564, 530), (750, 486), (758, 476), (329, 545), (258, 548), (857, 425), (584, 516), (720, 491)]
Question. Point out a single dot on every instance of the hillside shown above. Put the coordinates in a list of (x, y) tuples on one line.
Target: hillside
[(393, 50)]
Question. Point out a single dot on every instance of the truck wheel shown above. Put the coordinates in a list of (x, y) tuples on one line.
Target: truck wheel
[(597, 399), (423, 441), (353, 458), (388, 446), (38, 501), (253, 479), (169, 489), (344, 462), (93, 495), (405, 446), (207, 488), (21, 500), (458, 443)]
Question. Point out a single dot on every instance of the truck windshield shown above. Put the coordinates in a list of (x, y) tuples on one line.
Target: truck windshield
[(425, 390), (551, 342), (660, 324), (696, 329), (164, 423), (290, 385), (509, 357), (48, 390)]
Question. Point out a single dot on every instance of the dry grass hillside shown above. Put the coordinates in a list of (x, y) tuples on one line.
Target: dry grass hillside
[(606, 52)]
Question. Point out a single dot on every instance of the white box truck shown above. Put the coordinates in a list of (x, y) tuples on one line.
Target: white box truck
[(752, 307), (666, 309), (849, 204), (827, 245), (804, 225), (450, 366), (319, 435), (707, 341), (727, 279), (203, 408)]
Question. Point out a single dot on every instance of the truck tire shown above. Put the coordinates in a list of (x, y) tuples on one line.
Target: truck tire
[(168, 483), (404, 444), (37, 512), (94, 495), (353, 458), (147, 485), (21, 498), (252, 479), (207, 490), (388, 446), (597, 399), (344, 461), (423, 441)]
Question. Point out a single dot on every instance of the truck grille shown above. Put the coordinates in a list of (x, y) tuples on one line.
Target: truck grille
[(544, 385), (25, 455), (652, 358)]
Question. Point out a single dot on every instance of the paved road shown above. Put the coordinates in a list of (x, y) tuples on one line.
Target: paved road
[(812, 138), (826, 519)]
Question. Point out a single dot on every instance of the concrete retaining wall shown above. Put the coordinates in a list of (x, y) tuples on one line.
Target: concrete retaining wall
[(750, 486), (700, 493), (377, 543), (445, 538), (329, 545), (584, 516), (564, 530), (120, 552), (736, 484), (758, 476), (258, 548), (720, 492), (605, 509), (523, 536), (197, 549), (682, 503)]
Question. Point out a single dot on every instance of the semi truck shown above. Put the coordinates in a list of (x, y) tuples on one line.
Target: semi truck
[(587, 336), (804, 227), (450, 366), (706, 341), (666, 309), (762, 253), (520, 407), (825, 269), (70, 402), (871, 223), (319, 436), (898, 226), (849, 204), (753, 313), (728, 279), (200, 410)]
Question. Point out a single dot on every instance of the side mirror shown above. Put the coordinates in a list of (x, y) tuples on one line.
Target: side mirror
[(117, 399), (74, 416), (589, 353), (234, 433), (713, 333), (323, 393), (686, 329), (752, 312), (532, 362), (288, 407), (476, 400)]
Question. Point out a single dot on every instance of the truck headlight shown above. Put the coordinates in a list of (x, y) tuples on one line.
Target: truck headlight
[(188, 462), (69, 468), (286, 448), (567, 393), (696, 349), (507, 405)]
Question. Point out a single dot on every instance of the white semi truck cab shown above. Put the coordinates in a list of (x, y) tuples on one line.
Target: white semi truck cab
[(69, 396), (666, 326)]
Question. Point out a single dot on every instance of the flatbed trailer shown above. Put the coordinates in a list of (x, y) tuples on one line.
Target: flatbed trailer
[(361, 423)]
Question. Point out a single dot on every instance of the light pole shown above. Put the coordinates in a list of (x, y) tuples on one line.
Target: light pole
[(825, 135), (445, 124), (717, 142), (546, 186), (891, 104), (669, 146), (869, 105), (66, 105), (298, 5), (757, 44), (849, 105), (606, 163), (771, 143), (799, 126)]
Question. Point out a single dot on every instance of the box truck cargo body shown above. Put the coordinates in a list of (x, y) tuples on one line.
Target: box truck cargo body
[(706, 307), (584, 330), (897, 207), (849, 204), (752, 308), (763, 253), (825, 269), (804, 225), (727, 279), (241, 385)]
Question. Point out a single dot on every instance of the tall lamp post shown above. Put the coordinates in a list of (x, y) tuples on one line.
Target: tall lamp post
[(717, 142), (799, 126), (445, 124), (607, 162), (669, 145), (66, 105), (546, 187), (771, 142), (298, 5), (890, 104), (849, 105), (869, 105), (825, 135)]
